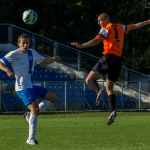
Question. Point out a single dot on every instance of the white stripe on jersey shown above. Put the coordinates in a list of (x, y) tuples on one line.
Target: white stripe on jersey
[(124, 28), (103, 32)]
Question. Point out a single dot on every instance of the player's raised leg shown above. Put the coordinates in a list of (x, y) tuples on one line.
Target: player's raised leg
[(49, 99), (91, 81)]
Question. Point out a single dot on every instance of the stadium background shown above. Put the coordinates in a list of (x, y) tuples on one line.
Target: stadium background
[(59, 23), (66, 78)]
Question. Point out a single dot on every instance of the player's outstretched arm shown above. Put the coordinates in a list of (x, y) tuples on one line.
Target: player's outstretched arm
[(49, 60), (137, 25), (90, 43)]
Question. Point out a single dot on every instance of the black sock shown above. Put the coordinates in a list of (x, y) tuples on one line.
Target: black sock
[(112, 101)]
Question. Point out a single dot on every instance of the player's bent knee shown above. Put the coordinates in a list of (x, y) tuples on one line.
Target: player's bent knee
[(88, 80), (35, 111)]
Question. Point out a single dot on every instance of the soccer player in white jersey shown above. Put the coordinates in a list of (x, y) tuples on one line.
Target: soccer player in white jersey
[(20, 63)]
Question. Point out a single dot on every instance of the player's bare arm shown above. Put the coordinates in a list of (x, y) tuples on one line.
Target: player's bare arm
[(137, 25), (90, 43), (5, 69), (49, 60)]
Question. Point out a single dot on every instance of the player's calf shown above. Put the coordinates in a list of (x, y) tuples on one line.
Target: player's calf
[(27, 116), (99, 96)]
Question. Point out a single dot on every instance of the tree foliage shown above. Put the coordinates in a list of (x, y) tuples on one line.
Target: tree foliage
[(76, 20)]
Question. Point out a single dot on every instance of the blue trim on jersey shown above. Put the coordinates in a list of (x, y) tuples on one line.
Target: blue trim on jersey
[(7, 63), (30, 56)]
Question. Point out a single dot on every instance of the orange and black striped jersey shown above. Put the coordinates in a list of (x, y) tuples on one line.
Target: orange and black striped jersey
[(113, 37)]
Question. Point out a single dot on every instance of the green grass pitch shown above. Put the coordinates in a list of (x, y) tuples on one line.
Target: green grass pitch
[(78, 131)]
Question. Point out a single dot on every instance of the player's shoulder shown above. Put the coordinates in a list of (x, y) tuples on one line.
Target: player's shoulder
[(109, 25), (13, 52), (116, 25), (33, 51), (119, 26), (113, 25), (103, 32)]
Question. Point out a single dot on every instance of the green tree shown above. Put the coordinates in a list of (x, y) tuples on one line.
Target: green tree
[(76, 20)]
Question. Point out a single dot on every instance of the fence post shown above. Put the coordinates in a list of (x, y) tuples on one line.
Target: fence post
[(10, 34), (79, 60), (0, 96), (55, 49), (126, 75), (139, 95), (122, 90), (65, 95), (84, 94)]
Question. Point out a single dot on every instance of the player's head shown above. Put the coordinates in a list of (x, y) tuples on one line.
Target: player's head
[(23, 42), (103, 19)]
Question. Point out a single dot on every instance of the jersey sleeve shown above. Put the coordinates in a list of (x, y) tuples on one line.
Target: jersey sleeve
[(103, 33), (38, 57), (124, 28), (10, 57), (128, 28), (98, 37)]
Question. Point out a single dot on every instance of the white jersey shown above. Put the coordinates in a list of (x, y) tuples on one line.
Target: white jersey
[(20, 65)]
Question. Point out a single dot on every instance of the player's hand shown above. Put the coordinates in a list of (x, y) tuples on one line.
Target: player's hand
[(76, 44), (56, 58), (10, 73)]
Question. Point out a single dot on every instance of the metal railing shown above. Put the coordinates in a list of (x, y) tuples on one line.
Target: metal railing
[(69, 56), (72, 57), (131, 76)]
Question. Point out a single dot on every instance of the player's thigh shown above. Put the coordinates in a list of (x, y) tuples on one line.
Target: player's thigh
[(101, 67), (45, 94), (93, 75), (113, 74), (27, 96), (40, 91), (114, 68)]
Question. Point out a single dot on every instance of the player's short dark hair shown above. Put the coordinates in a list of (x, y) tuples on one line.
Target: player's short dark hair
[(23, 36), (104, 16)]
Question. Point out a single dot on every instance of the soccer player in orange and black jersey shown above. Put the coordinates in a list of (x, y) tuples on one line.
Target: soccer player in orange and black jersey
[(112, 36)]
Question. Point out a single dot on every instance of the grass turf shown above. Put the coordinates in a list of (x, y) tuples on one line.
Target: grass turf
[(80, 131)]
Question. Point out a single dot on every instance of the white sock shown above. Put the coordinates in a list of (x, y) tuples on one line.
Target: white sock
[(43, 105), (32, 126)]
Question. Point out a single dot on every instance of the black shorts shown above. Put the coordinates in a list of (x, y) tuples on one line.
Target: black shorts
[(109, 66)]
